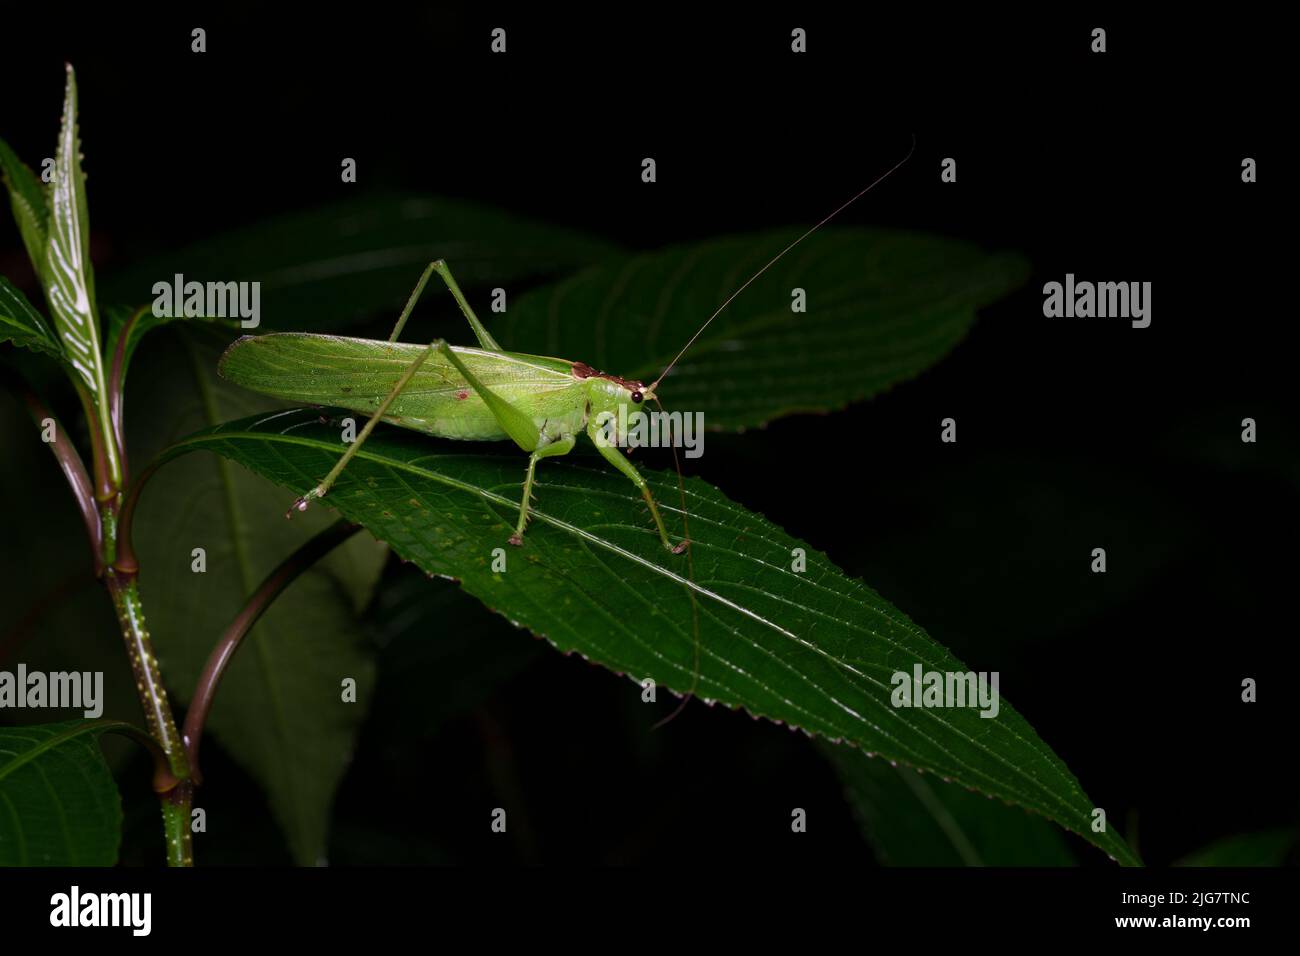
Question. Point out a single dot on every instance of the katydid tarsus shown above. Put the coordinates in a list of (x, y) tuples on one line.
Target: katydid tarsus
[(477, 394)]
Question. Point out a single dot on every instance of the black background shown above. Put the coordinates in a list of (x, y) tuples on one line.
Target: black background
[(1124, 166)]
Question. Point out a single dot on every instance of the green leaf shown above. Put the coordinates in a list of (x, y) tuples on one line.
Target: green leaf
[(1265, 848), (815, 650), (27, 199), (59, 805), (69, 280), (327, 267), (279, 711), (912, 819), (881, 308), (21, 324)]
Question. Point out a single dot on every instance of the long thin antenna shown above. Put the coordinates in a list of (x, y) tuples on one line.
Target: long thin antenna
[(880, 179)]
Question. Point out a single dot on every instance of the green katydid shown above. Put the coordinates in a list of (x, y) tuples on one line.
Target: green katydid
[(474, 394)]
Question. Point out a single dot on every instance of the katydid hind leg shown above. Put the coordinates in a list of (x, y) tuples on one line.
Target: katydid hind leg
[(440, 266), (410, 302), (517, 424), (561, 446), (323, 488), (616, 458), (484, 338)]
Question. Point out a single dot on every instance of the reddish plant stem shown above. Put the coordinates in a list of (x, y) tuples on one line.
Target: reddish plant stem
[(279, 579), (74, 469), (125, 560)]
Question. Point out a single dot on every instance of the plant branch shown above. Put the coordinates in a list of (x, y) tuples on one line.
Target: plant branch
[(279, 579), (74, 469), (125, 560), (116, 394), (105, 489), (163, 779)]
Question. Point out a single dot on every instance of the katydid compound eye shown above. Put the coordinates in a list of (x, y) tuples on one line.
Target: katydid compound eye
[(636, 397)]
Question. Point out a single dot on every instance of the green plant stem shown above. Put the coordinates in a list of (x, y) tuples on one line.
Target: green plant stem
[(157, 712), (176, 825), (99, 503)]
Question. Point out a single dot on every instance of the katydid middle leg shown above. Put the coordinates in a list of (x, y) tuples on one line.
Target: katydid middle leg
[(523, 430), (561, 446)]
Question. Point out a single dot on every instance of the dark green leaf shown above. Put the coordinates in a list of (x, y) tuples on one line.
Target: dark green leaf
[(21, 324), (814, 649), (881, 308), (59, 805), (28, 201), (324, 268), (279, 711), (441, 653), (1265, 848), (1013, 532), (914, 819)]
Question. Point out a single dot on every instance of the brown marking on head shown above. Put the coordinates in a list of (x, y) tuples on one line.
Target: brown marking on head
[(583, 370)]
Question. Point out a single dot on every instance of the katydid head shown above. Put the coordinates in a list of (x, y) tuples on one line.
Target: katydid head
[(607, 392)]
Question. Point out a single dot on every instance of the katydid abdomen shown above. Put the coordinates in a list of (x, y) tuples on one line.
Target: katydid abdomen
[(357, 374)]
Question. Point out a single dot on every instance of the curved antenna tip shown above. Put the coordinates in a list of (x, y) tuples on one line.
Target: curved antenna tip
[(777, 258)]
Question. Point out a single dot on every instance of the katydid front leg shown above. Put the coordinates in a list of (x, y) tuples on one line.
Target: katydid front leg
[(522, 430), (616, 458)]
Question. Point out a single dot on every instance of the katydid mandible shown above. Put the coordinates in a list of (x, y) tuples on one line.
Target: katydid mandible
[(476, 394)]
